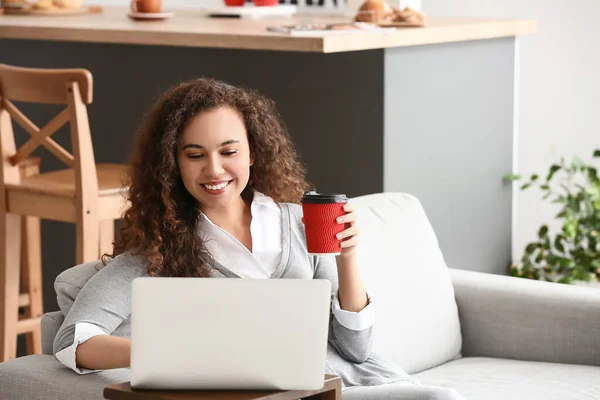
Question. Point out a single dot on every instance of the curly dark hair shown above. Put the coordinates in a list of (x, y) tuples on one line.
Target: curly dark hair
[(161, 223)]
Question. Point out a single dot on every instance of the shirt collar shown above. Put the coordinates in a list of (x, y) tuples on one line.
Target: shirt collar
[(260, 199)]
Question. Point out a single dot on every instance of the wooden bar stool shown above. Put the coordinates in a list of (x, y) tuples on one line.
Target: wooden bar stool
[(89, 195)]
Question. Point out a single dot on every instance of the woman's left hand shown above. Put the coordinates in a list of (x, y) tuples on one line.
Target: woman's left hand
[(349, 236)]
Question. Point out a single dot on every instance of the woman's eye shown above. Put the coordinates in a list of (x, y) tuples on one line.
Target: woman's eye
[(229, 153), (195, 155)]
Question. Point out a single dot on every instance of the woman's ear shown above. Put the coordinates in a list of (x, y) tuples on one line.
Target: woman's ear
[(251, 159)]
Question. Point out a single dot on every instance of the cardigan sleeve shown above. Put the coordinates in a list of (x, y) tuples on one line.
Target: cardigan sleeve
[(101, 306), (351, 334)]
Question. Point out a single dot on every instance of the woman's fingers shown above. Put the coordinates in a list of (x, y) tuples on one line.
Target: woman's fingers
[(352, 231), (353, 241), (349, 236), (347, 218)]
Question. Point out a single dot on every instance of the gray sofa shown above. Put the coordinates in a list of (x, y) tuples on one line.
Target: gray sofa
[(489, 337)]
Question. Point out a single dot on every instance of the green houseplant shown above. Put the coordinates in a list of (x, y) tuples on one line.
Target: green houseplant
[(573, 254)]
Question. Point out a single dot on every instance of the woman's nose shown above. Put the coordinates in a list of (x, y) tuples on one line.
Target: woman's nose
[(213, 167)]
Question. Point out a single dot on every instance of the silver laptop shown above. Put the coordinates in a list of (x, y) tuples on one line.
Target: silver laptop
[(216, 333)]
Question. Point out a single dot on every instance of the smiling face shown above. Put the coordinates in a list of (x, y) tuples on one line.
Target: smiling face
[(214, 157)]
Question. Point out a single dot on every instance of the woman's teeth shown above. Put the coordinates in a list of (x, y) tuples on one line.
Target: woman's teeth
[(216, 187)]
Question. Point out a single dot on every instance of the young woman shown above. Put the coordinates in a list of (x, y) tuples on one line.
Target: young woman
[(214, 189)]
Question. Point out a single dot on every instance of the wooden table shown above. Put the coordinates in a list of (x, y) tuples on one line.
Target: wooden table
[(331, 390)]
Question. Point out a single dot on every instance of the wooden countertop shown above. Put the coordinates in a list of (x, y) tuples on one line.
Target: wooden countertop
[(189, 28)]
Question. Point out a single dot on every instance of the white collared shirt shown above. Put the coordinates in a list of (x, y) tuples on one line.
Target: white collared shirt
[(267, 245), (261, 263)]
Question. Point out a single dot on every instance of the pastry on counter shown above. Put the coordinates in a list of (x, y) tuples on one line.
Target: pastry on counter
[(407, 15), (68, 3), (373, 11), (380, 12), (54, 4), (12, 3), (43, 5)]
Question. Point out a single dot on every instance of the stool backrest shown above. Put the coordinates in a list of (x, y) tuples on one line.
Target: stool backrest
[(69, 87)]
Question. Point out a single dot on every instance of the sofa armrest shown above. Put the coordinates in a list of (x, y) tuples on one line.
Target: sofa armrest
[(522, 319), (51, 322)]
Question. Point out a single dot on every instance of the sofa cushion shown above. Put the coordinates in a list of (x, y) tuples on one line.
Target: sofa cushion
[(478, 378), (43, 377), (417, 323)]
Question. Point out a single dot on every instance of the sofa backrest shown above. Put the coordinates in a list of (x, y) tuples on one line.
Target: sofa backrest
[(417, 323)]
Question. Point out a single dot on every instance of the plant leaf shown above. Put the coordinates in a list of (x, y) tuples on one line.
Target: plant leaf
[(539, 257), (511, 177), (565, 188), (565, 262), (525, 186), (597, 153), (558, 243), (566, 279), (553, 169), (570, 228), (543, 231), (561, 214), (578, 163), (592, 174), (531, 248), (534, 177), (513, 270), (593, 191), (573, 203)]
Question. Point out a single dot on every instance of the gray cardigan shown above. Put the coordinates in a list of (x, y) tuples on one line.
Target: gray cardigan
[(105, 301)]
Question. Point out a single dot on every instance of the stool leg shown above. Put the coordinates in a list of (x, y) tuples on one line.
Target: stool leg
[(32, 279), (10, 264), (87, 239), (107, 236)]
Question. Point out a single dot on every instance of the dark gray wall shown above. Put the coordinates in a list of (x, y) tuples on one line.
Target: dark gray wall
[(448, 141)]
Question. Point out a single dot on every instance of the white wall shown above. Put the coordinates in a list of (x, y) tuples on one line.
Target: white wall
[(559, 90)]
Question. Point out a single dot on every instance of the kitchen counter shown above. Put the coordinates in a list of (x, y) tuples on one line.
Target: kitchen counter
[(190, 28)]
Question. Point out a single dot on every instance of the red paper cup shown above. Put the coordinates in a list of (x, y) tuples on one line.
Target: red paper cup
[(320, 214)]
